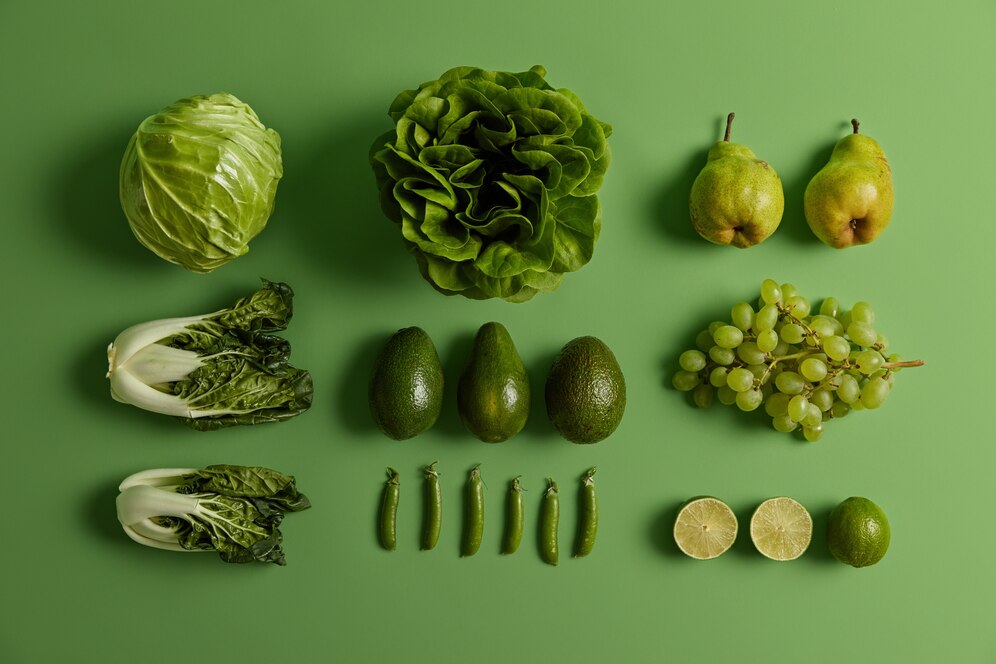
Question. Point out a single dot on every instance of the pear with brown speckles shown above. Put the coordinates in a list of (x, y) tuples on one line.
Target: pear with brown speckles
[(850, 200), (737, 198)]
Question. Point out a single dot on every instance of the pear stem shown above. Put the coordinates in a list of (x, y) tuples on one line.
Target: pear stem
[(855, 123), (729, 124)]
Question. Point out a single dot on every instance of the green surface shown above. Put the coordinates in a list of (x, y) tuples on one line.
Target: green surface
[(78, 79)]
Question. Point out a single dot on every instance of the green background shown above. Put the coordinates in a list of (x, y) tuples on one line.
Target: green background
[(77, 80)]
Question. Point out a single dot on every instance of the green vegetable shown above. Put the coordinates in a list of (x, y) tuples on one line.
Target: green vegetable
[(198, 180), (587, 516), (492, 177), (406, 387), (474, 515), (514, 517), (234, 510), (549, 525), (214, 370), (389, 510), (433, 508)]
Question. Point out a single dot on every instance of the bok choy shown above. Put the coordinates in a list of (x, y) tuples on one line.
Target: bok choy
[(214, 370), (234, 510)]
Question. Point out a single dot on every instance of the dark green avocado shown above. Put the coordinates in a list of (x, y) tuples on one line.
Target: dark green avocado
[(585, 391), (406, 389), (493, 393)]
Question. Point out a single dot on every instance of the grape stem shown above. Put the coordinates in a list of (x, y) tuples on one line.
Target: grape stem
[(776, 359), (899, 365)]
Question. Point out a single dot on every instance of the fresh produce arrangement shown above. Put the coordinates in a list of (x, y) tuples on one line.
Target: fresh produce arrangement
[(214, 370), (849, 202), (198, 180), (782, 529), (805, 368), (233, 510), (491, 177), (737, 199), (585, 389), (472, 533)]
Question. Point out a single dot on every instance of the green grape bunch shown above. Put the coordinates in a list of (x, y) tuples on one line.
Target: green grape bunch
[(803, 368)]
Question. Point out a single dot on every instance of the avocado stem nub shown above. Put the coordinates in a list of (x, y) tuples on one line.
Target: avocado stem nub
[(854, 123), (729, 123)]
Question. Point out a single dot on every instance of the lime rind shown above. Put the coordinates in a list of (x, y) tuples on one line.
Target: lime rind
[(781, 529), (705, 528)]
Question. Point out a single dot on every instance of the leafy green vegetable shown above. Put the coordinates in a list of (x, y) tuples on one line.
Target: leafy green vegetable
[(234, 510), (198, 180), (492, 177), (214, 370)]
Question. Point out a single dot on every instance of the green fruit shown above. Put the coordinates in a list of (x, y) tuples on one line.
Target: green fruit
[(493, 393), (585, 391), (406, 389), (858, 532), (850, 200), (737, 198)]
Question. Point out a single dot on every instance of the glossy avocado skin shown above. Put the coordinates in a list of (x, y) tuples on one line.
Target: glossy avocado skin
[(493, 393), (406, 388), (585, 391)]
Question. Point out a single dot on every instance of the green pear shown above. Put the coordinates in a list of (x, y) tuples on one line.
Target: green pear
[(737, 198), (850, 200)]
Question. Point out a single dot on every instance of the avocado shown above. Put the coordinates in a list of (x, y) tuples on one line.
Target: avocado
[(585, 391), (406, 388), (493, 393)]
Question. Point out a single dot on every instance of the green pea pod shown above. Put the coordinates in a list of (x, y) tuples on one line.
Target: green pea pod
[(433, 508), (549, 524), (474, 515), (514, 517), (587, 515), (389, 510)]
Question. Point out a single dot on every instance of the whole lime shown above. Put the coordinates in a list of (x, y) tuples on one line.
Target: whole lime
[(858, 532)]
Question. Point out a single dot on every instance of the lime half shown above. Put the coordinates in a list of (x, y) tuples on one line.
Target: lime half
[(781, 528), (705, 528)]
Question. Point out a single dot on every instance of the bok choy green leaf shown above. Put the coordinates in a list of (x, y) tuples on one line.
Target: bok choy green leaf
[(233, 510), (214, 370)]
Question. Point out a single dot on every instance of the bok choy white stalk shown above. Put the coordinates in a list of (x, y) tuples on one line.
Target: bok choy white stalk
[(234, 510), (214, 370)]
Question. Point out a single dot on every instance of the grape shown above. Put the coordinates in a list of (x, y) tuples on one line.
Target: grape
[(703, 341), (813, 416), (792, 333), (783, 423), (813, 434), (717, 377), (728, 336), (740, 379), (862, 334), (702, 395), (749, 400), (874, 393), (830, 307), (766, 318), (767, 340), (798, 407), (770, 292), (790, 382), (813, 369), (781, 349), (757, 369), (742, 316), (881, 341), (685, 381), (750, 353), (840, 409), (789, 290), (692, 360), (798, 306), (724, 356), (862, 312), (726, 396), (822, 399), (869, 361), (777, 404), (715, 325), (836, 348), (849, 390)]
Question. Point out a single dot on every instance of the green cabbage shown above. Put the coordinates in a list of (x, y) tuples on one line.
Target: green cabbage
[(492, 178), (198, 180)]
